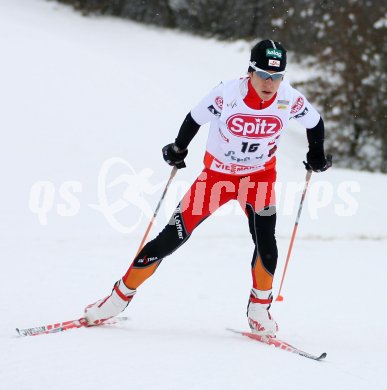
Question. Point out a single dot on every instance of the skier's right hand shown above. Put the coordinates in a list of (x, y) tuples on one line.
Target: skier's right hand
[(174, 156)]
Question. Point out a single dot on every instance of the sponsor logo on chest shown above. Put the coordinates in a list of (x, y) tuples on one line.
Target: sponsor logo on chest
[(234, 168), (253, 126), (283, 104), (219, 101)]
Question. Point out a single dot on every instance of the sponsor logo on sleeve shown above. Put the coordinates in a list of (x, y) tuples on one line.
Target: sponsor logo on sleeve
[(219, 101), (297, 105), (214, 111), (254, 126), (301, 114)]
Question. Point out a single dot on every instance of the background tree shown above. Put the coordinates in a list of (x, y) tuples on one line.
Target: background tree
[(349, 52)]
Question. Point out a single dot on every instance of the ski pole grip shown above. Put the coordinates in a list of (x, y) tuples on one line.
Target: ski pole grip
[(329, 159), (307, 166)]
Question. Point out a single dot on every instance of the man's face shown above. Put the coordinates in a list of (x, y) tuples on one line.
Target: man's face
[(264, 88)]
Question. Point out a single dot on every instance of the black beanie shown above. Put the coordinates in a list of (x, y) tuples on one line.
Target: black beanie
[(268, 55)]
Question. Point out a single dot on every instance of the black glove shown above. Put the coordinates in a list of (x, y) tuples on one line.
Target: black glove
[(317, 162), (174, 156)]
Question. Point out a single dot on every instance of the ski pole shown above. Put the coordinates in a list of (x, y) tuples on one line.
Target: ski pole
[(280, 298), (172, 175)]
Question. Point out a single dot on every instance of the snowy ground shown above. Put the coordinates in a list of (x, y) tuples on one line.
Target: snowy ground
[(75, 94)]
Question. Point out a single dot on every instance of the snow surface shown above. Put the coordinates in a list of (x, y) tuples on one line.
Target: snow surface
[(78, 92)]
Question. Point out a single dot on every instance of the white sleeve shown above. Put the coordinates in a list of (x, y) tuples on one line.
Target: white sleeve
[(303, 111), (210, 107)]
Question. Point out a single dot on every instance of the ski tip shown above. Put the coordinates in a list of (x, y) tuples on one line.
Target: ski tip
[(20, 332), (322, 356), (233, 330)]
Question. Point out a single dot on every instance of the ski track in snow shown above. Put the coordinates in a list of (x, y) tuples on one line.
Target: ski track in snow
[(77, 91)]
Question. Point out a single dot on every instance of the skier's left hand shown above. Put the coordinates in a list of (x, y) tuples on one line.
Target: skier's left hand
[(317, 162), (174, 156)]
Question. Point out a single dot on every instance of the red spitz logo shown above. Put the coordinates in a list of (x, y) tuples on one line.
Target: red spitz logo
[(297, 105), (254, 126)]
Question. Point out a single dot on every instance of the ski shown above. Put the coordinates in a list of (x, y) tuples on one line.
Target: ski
[(279, 344), (66, 325)]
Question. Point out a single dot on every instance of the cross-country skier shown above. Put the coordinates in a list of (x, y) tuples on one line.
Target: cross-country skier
[(247, 117)]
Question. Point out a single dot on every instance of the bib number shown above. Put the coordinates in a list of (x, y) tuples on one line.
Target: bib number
[(249, 148)]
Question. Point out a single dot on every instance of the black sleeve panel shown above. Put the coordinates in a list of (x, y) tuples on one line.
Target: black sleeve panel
[(316, 137), (187, 132)]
